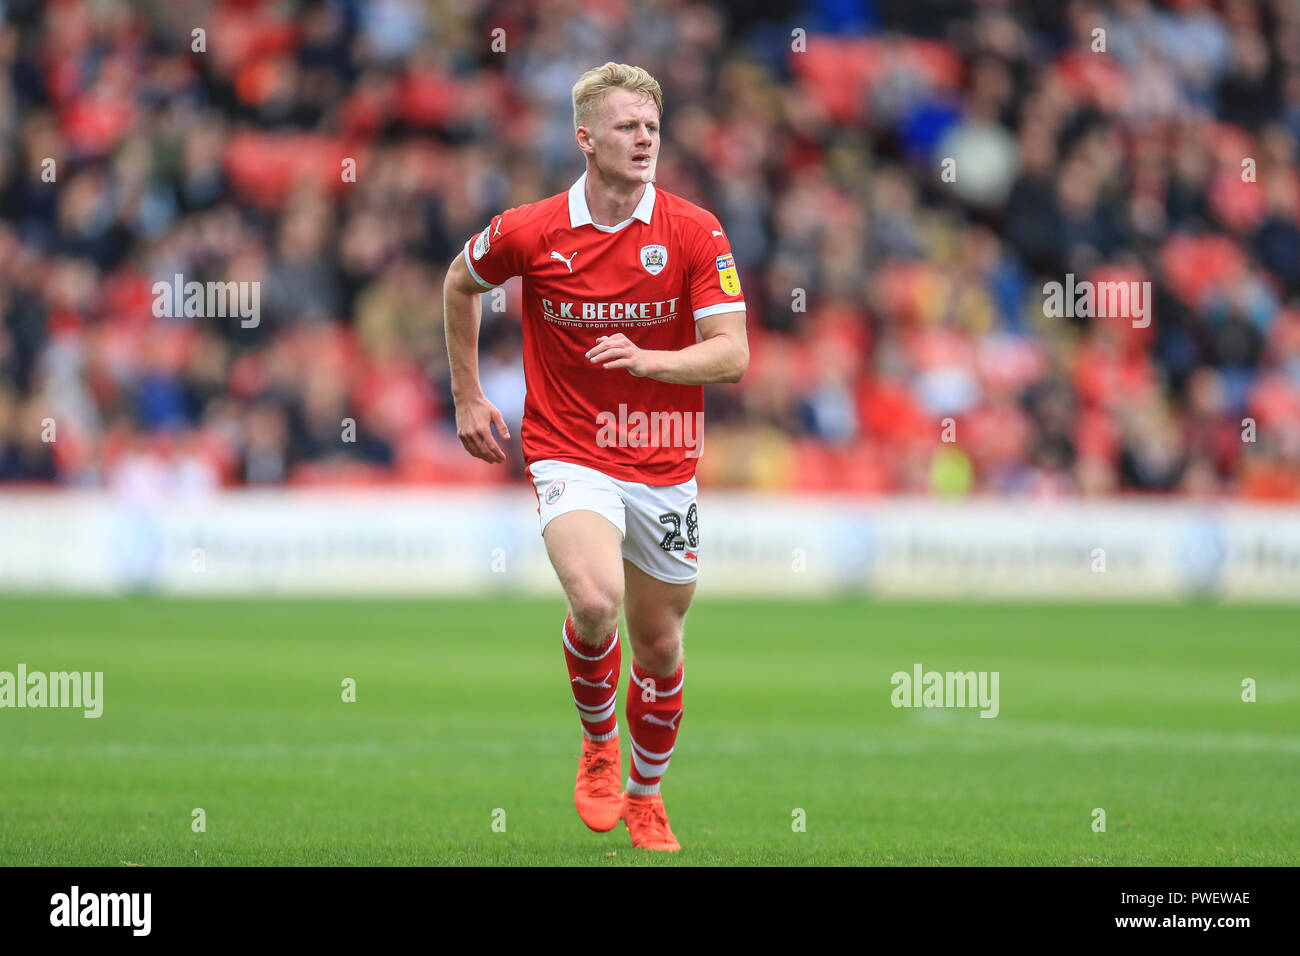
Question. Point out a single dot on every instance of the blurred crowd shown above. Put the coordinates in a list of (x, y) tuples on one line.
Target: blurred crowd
[(899, 182)]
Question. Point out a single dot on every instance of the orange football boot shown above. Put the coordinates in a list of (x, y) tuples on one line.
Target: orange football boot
[(647, 822), (597, 792)]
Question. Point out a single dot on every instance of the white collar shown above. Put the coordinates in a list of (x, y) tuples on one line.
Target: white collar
[(580, 215)]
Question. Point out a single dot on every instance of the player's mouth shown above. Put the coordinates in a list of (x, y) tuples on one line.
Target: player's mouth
[(642, 160)]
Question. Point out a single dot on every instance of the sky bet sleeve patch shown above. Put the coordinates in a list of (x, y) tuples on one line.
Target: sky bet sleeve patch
[(727, 277)]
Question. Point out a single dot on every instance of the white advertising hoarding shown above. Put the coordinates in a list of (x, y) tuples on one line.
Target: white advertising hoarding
[(455, 541)]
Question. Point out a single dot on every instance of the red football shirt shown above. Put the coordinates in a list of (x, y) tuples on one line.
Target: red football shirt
[(650, 277)]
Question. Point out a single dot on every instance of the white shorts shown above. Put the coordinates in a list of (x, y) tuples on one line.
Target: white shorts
[(659, 523)]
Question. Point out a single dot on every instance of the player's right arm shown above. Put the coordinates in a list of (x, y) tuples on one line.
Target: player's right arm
[(462, 313), (489, 258)]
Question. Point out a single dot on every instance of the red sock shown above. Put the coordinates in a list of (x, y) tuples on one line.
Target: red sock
[(593, 675), (654, 712)]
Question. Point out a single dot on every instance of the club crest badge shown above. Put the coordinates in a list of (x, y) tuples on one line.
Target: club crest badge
[(654, 258), (553, 493)]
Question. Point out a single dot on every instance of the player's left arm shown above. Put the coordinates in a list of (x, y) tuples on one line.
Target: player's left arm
[(722, 352), (721, 355)]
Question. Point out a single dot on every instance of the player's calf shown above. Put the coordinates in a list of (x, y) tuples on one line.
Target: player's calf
[(654, 714), (593, 676)]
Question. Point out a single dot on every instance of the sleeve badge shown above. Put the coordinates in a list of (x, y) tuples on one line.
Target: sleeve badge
[(727, 277)]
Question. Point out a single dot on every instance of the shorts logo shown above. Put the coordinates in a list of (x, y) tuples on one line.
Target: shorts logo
[(482, 244), (654, 258), (553, 493), (727, 277)]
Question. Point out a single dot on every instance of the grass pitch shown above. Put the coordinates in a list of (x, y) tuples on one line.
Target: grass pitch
[(463, 711)]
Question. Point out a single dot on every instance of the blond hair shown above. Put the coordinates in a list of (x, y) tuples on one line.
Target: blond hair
[(592, 86)]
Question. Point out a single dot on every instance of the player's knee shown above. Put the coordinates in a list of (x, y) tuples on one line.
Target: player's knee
[(595, 611), (660, 650)]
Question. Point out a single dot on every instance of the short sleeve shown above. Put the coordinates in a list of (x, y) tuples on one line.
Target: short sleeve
[(714, 282), (499, 251)]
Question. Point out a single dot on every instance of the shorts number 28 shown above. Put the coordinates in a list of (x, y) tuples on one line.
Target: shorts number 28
[(673, 539)]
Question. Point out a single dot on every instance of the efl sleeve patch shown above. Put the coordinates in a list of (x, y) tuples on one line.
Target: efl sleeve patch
[(482, 244), (727, 277), (496, 253), (712, 277)]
